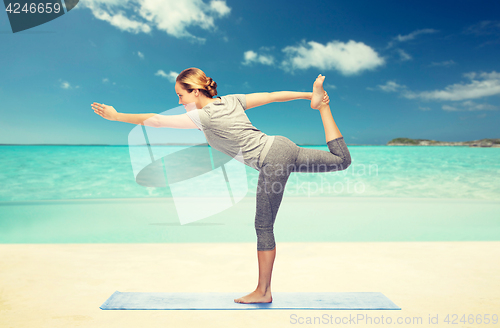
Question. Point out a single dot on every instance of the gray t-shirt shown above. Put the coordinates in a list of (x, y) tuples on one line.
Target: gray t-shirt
[(228, 129)]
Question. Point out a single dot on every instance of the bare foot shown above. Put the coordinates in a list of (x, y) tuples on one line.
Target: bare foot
[(318, 92), (255, 297)]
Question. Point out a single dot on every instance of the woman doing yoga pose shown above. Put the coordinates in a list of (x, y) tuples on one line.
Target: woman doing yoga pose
[(228, 129)]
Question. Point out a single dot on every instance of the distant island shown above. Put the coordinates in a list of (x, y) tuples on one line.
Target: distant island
[(427, 142)]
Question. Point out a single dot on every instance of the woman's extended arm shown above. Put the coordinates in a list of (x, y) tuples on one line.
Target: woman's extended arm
[(262, 98), (141, 119), (109, 113), (181, 121)]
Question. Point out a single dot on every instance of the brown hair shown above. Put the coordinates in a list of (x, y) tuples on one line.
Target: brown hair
[(194, 78)]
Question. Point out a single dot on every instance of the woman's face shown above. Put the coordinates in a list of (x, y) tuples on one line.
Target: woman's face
[(185, 97)]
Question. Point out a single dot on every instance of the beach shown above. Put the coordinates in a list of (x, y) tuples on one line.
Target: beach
[(424, 235), (63, 285)]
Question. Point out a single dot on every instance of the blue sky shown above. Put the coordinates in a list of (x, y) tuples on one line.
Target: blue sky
[(415, 69)]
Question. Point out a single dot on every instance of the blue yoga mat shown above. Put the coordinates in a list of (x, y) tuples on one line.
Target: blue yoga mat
[(225, 301)]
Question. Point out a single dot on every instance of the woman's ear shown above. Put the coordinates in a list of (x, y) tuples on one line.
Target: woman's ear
[(196, 92)]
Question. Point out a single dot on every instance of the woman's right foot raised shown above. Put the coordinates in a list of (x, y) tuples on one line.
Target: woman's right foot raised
[(318, 92)]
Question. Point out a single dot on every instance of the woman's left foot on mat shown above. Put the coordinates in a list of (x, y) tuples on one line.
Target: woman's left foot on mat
[(255, 297)]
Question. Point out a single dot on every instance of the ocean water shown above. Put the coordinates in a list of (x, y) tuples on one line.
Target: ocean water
[(97, 172), (89, 194)]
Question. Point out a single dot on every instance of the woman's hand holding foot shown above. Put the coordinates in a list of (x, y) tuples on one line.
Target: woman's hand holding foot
[(326, 99)]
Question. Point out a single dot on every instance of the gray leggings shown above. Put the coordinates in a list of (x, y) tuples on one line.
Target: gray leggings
[(283, 158)]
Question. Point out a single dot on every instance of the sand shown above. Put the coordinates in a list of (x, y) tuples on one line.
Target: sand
[(63, 285)]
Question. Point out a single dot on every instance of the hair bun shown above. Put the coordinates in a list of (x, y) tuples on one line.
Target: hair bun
[(211, 86), (211, 83)]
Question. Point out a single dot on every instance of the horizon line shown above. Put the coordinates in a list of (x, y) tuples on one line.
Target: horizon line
[(169, 144)]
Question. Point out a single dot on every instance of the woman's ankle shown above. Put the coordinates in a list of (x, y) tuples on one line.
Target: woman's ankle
[(263, 290), (324, 106)]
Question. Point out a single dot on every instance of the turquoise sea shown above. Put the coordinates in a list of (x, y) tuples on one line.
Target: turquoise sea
[(54, 194)]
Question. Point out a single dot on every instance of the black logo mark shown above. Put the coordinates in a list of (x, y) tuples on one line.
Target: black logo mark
[(24, 15)]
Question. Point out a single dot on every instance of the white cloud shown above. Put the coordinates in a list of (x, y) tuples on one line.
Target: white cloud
[(106, 80), (404, 38), (411, 36), (330, 86), (481, 85), (65, 85), (263, 48), (492, 76), (449, 108), (443, 63), (171, 16), (470, 75), (404, 56), (170, 76), (424, 108), (140, 54), (484, 28), (391, 86), (469, 106), (252, 57), (348, 58), (220, 7), (116, 18)]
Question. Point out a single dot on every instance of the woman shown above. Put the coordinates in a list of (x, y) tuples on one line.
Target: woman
[(227, 129)]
